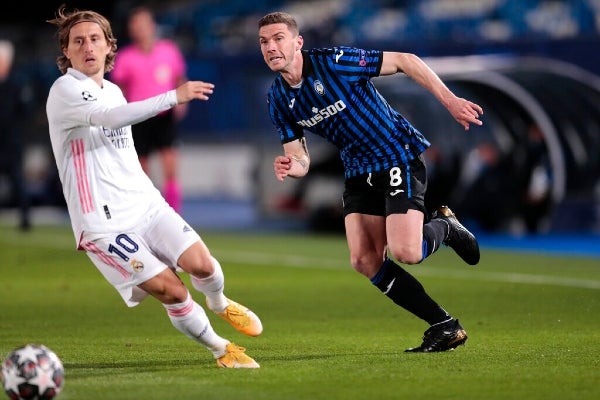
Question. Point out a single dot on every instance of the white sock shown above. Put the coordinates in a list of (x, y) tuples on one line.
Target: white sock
[(212, 287), (191, 320)]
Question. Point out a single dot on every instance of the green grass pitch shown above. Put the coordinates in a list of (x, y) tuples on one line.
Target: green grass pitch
[(533, 324)]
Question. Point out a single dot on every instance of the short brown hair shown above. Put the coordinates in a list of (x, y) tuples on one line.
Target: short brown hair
[(279, 18), (65, 20)]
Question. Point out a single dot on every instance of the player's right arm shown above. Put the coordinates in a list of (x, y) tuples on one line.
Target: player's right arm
[(296, 161), (138, 111), (76, 105)]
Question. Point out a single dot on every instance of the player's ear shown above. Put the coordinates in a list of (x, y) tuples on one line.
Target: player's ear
[(299, 42)]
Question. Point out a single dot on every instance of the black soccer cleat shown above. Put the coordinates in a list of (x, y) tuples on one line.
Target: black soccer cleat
[(459, 238), (445, 337)]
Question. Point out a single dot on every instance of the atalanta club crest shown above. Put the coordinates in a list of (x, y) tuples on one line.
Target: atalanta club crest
[(319, 88)]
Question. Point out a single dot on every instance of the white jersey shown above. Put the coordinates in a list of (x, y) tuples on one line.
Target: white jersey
[(104, 185)]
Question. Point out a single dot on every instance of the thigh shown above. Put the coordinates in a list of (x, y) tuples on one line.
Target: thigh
[(365, 194), (364, 219), (405, 210), (385, 209), (169, 236), (393, 191), (366, 242), (196, 260), (404, 232), (405, 187)]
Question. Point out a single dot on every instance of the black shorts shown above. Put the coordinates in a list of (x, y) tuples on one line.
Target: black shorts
[(393, 191), (155, 133)]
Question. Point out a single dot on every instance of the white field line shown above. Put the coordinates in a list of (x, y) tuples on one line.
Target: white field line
[(300, 261), (470, 273)]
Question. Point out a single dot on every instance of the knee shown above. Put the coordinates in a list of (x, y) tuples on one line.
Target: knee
[(406, 255), (197, 261), (166, 288), (172, 292), (206, 265), (174, 295), (366, 264)]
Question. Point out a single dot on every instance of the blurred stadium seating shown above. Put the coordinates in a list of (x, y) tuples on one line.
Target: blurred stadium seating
[(531, 63)]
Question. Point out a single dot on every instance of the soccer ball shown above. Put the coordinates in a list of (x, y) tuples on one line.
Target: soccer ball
[(32, 372)]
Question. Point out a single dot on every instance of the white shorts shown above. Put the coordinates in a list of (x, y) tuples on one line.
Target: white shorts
[(127, 259)]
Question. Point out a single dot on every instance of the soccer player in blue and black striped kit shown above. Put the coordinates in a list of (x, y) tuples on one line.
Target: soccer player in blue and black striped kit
[(328, 91)]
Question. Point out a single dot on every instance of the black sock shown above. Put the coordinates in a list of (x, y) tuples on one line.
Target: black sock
[(434, 233), (406, 291)]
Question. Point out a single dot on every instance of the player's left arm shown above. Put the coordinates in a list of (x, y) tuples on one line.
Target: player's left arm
[(464, 111)]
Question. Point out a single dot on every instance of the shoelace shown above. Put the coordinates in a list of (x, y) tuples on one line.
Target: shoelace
[(234, 313)]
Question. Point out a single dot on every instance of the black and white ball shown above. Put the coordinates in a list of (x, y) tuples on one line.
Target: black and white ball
[(32, 372)]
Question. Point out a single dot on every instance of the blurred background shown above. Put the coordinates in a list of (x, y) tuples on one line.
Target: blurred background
[(532, 169)]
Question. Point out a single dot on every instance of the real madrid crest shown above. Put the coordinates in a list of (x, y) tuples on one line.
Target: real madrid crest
[(137, 266), (319, 88)]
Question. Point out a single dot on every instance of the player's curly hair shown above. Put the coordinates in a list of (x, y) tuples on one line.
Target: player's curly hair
[(65, 20)]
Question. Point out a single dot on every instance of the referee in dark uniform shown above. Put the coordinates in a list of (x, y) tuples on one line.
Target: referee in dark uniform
[(328, 91)]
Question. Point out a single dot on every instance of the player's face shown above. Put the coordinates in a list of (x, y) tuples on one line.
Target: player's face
[(278, 46), (87, 48)]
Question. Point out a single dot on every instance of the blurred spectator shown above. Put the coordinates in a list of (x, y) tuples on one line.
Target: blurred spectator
[(151, 65), (537, 198), (489, 183), (12, 116), (443, 170)]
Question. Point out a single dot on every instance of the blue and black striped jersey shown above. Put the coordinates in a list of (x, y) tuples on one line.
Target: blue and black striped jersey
[(338, 102)]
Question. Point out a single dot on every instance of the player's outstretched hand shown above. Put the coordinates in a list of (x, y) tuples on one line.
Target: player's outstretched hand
[(194, 90), (465, 112)]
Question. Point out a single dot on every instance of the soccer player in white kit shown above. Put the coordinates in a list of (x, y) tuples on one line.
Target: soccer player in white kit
[(119, 218)]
